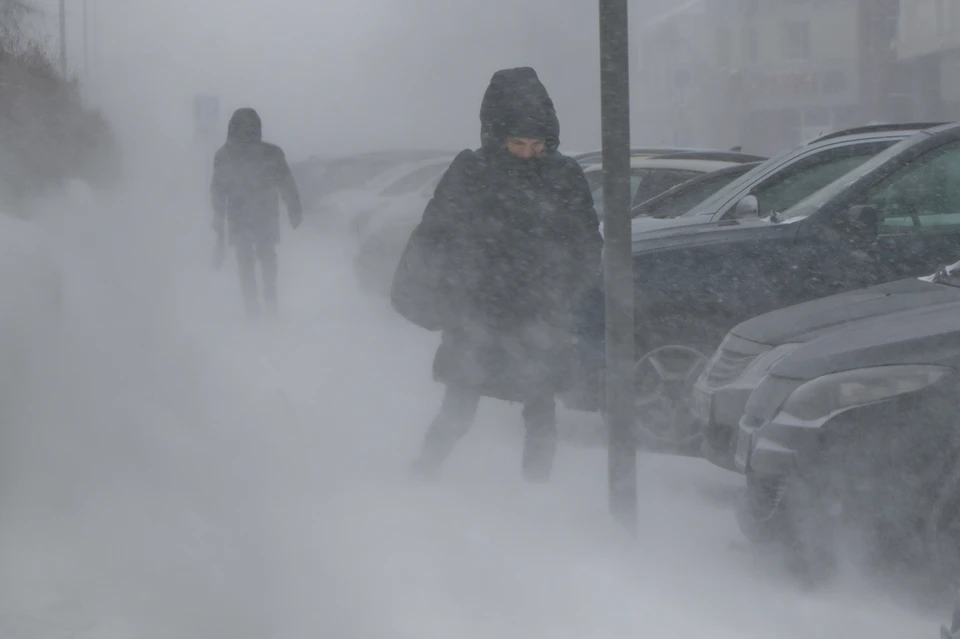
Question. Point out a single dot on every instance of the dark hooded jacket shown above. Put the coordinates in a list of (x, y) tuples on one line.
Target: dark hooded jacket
[(517, 243), (247, 175)]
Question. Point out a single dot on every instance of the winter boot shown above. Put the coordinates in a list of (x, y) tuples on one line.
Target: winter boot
[(540, 441)]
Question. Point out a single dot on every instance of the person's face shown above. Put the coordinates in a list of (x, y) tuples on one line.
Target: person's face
[(525, 148)]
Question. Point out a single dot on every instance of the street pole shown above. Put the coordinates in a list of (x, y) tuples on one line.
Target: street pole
[(618, 261), (86, 50), (63, 39)]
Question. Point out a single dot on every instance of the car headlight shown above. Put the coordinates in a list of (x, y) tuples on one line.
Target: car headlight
[(758, 368), (826, 396)]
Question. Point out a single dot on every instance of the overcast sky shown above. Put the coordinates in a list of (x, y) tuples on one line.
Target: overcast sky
[(338, 75)]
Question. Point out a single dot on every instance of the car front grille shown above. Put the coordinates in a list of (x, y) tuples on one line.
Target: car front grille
[(726, 366)]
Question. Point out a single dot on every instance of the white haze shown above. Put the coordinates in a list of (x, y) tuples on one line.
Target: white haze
[(177, 472)]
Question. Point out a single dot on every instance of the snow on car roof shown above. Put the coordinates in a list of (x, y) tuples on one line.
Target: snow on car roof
[(705, 166)]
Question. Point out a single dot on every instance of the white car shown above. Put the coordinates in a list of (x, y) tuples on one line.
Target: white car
[(404, 196), (381, 245), (651, 176), (351, 211)]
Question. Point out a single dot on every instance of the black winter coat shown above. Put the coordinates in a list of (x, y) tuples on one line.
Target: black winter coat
[(518, 243), (248, 175)]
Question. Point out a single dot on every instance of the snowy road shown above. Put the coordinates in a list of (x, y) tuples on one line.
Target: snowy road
[(181, 473)]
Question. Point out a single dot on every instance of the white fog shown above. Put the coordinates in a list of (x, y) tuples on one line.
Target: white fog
[(170, 469)]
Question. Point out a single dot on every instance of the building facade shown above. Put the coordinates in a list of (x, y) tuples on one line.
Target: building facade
[(674, 82), (772, 73), (928, 52)]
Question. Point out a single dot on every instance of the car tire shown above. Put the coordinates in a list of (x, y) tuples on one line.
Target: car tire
[(941, 527), (787, 512)]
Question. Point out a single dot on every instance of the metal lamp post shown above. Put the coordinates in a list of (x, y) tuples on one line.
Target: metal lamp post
[(618, 261)]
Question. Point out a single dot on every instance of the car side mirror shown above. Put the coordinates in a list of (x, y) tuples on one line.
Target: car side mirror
[(748, 206), (863, 219)]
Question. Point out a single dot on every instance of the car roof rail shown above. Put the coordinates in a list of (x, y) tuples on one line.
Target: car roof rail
[(879, 128), (720, 156), (634, 151)]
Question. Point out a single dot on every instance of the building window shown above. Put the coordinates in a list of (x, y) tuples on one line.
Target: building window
[(751, 45), (796, 40), (944, 16), (724, 50), (834, 82)]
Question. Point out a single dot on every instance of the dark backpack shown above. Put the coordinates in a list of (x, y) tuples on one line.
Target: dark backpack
[(415, 291)]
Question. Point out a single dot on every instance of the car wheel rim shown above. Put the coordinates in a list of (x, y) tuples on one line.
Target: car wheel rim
[(664, 380)]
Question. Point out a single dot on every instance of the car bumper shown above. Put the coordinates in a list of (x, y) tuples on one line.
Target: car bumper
[(774, 447), (719, 411)]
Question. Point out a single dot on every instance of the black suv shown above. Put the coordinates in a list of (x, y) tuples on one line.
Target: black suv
[(895, 215)]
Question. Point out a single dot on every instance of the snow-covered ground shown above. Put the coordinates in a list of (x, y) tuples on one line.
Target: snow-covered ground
[(180, 472)]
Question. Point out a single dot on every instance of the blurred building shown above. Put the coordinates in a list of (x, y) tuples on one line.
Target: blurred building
[(928, 50), (675, 79), (767, 74)]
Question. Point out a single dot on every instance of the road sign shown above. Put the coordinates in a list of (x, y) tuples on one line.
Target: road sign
[(206, 118), (206, 108)]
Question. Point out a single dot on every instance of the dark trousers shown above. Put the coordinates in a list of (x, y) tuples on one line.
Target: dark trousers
[(248, 254), (457, 414)]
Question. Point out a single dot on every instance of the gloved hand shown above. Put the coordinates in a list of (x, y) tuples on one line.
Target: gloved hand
[(219, 254), (295, 218)]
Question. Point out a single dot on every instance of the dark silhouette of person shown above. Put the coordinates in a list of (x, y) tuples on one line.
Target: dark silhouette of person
[(514, 242), (248, 174)]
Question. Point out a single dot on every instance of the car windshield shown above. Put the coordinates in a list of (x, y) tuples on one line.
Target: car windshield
[(635, 180), (680, 198), (713, 203), (814, 201)]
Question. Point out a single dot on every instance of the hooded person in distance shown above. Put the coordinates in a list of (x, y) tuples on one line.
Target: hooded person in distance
[(515, 239), (248, 173)]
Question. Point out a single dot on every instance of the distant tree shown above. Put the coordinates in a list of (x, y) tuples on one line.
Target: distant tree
[(47, 134), (12, 14)]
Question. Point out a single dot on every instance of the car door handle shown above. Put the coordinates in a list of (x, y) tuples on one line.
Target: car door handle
[(728, 223)]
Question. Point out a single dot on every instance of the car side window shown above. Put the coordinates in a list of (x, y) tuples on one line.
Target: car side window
[(659, 180), (809, 175), (682, 202), (922, 196), (637, 177)]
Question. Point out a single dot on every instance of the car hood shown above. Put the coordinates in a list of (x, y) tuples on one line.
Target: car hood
[(808, 321), (927, 335)]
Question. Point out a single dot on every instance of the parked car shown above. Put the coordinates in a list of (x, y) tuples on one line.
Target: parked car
[(589, 158), (382, 246), (320, 177), (787, 178), (856, 431), (651, 176), (733, 155), (351, 210), (403, 195), (694, 284), (678, 199), (752, 348)]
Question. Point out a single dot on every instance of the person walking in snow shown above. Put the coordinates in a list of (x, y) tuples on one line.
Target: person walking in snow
[(512, 241), (248, 173)]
